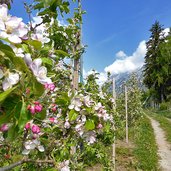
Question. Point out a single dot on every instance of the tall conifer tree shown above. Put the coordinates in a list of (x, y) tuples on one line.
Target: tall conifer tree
[(152, 66)]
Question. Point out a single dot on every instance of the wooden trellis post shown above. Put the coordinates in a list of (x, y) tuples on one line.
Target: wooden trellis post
[(77, 60), (126, 112), (114, 143)]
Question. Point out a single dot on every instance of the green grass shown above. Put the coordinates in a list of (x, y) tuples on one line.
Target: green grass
[(164, 123), (146, 148), (125, 159), (165, 113)]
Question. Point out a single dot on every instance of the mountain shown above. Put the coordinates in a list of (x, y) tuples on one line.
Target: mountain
[(120, 79)]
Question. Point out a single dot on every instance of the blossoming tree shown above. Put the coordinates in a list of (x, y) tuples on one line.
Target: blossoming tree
[(43, 122)]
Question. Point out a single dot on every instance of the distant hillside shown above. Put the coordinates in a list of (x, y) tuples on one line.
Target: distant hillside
[(122, 78)]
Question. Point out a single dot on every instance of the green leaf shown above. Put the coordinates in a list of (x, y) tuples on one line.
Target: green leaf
[(20, 64), (12, 133), (35, 43), (90, 124), (47, 61), (72, 115), (61, 52), (7, 50), (38, 88), (41, 115), (39, 6), (24, 116), (5, 94)]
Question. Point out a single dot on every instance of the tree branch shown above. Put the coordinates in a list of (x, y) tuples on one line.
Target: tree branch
[(26, 161)]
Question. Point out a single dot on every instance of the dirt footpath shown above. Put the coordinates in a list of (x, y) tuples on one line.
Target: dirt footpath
[(164, 148)]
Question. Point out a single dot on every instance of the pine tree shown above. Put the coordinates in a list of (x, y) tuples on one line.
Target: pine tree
[(165, 61), (152, 66)]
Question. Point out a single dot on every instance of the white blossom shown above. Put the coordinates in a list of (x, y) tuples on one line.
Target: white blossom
[(18, 51), (38, 70), (88, 102), (10, 80), (75, 104), (40, 32), (90, 137), (65, 166), (11, 28), (31, 145)]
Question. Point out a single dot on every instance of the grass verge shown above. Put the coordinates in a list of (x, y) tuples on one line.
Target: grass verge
[(146, 148), (165, 113), (164, 123)]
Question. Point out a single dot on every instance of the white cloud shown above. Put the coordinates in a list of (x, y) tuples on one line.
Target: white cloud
[(166, 31), (102, 76), (121, 54), (128, 63)]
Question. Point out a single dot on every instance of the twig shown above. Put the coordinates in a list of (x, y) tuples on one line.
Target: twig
[(26, 161)]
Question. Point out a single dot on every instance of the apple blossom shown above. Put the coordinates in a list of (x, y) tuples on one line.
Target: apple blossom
[(32, 109), (88, 102), (64, 166), (11, 28), (39, 71), (50, 86), (27, 126), (80, 128), (35, 129), (40, 32), (38, 108), (75, 104), (18, 51), (10, 80), (52, 120), (67, 125), (90, 137), (31, 145), (99, 126)]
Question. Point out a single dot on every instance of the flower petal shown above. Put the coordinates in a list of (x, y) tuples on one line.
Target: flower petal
[(4, 11), (41, 148), (25, 152), (6, 84), (13, 78), (14, 38)]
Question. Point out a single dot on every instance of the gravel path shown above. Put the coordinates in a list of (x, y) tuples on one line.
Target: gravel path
[(164, 149)]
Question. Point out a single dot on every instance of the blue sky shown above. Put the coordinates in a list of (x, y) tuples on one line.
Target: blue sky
[(111, 26)]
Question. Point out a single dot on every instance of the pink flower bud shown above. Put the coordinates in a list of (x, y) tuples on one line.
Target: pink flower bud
[(27, 126), (54, 109), (49, 86), (36, 103), (4, 128), (52, 120), (27, 91), (32, 110), (38, 108), (46, 85), (28, 107), (35, 129), (99, 126)]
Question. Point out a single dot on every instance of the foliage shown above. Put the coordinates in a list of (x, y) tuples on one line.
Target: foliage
[(134, 105), (145, 151), (135, 110), (157, 64), (42, 120)]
